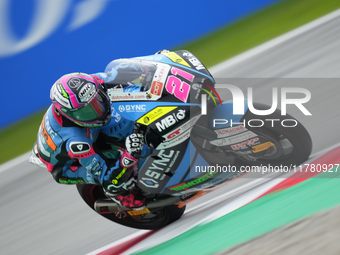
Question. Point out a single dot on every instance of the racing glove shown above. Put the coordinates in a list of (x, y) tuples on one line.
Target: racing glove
[(124, 193), (134, 145), (120, 176), (117, 179)]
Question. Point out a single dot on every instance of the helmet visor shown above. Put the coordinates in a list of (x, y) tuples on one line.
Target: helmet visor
[(97, 109)]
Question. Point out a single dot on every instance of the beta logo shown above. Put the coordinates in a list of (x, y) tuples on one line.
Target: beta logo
[(170, 120)]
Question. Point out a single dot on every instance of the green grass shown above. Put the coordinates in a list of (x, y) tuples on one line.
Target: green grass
[(257, 28), (212, 49), (19, 137)]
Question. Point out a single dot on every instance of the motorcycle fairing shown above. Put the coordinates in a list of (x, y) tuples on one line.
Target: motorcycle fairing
[(171, 117), (125, 114), (171, 124), (192, 61), (159, 168), (156, 81), (138, 111), (179, 134), (181, 58), (148, 78), (155, 177)]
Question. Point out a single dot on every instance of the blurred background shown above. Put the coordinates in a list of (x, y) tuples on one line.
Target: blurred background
[(41, 40)]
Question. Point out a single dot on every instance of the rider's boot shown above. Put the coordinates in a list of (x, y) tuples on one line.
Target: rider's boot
[(131, 199)]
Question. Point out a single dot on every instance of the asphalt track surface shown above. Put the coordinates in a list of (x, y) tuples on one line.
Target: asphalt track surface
[(39, 216)]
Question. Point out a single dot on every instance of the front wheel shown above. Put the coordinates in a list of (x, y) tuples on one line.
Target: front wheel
[(292, 145), (156, 219)]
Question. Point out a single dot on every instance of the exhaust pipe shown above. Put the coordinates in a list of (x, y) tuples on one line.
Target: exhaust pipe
[(106, 205)]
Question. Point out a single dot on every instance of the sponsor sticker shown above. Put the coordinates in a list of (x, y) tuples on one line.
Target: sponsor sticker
[(245, 144), (176, 58), (87, 92), (224, 132), (234, 139), (157, 88), (159, 80), (41, 146), (132, 108), (139, 212), (175, 140), (198, 88), (170, 120), (149, 183), (46, 135), (155, 114), (187, 185), (159, 167), (262, 147), (181, 134), (124, 96)]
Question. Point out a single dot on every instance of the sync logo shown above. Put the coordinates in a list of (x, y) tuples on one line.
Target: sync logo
[(132, 108)]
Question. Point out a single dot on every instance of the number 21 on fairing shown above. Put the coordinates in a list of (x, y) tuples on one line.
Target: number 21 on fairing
[(176, 86)]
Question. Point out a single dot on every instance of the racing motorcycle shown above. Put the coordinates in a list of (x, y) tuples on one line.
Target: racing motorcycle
[(188, 149)]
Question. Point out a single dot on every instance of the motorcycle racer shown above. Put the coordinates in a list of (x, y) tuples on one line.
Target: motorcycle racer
[(68, 138)]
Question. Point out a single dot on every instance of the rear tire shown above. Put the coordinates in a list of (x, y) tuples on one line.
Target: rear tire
[(157, 219)]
